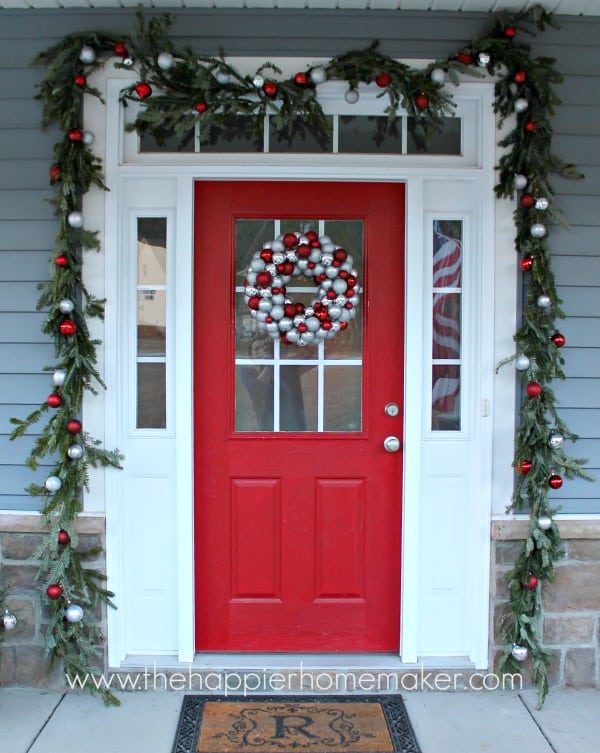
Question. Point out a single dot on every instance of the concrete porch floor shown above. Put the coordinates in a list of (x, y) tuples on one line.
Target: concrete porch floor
[(40, 721)]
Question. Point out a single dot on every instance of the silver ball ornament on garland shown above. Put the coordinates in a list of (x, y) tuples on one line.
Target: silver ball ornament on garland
[(520, 104), (520, 653), (544, 301), (352, 96), (75, 451), (542, 204), (258, 81), (522, 362), (75, 220), (66, 306), (59, 376), (53, 483), (519, 182), (223, 77), (128, 62), (318, 75), (88, 138), (87, 54), (438, 76), (538, 230), (74, 613), (544, 522), (483, 59), (556, 440), (9, 620), (165, 61)]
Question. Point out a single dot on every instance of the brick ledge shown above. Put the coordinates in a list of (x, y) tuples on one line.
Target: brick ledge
[(506, 530), (30, 523)]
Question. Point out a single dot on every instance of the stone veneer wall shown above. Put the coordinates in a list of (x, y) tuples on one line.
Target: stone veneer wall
[(22, 660), (570, 623)]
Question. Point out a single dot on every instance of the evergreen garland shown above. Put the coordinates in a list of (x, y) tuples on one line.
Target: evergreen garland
[(178, 89)]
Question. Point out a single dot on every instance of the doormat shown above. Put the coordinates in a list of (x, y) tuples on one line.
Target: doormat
[(295, 724)]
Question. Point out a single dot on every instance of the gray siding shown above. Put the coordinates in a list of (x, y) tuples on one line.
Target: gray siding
[(27, 226)]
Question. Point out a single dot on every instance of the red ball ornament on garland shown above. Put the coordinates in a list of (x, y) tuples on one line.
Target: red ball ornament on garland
[(534, 389), (54, 591), (200, 107), (80, 80), (520, 77), (54, 400), (526, 263), (558, 339), (555, 481), (270, 88), (121, 50), (531, 583), (422, 101), (55, 172), (67, 327), (143, 90), (63, 537), (383, 79), (527, 200), (465, 58), (74, 426), (524, 466), (61, 261), (301, 79), (530, 126), (290, 240), (76, 135), (510, 32)]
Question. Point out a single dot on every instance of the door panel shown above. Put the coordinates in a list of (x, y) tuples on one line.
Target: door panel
[(298, 505)]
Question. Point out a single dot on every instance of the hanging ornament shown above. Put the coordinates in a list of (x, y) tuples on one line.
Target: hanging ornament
[(61, 261), (54, 400), (510, 32), (544, 522), (87, 55), (352, 96), (520, 653), (520, 105), (120, 50), (59, 376), (522, 362), (520, 77), (74, 613), (524, 466), (438, 76), (542, 203), (75, 451), (533, 389), (165, 61), (54, 591), (63, 538), (527, 200), (301, 79), (465, 58), (538, 230), (128, 62), (383, 79), (55, 172), (556, 440), (88, 138), (75, 220), (75, 135), (422, 101), (223, 77), (544, 301), (65, 306), (558, 339), (530, 126), (258, 81), (53, 484), (9, 620), (270, 88), (74, 426), (80, 80), (200, 107), (526, 263), (531, 582), (483, 59), (143, 90), (67, 327), (519, 182), (318, 75), (555, 481)]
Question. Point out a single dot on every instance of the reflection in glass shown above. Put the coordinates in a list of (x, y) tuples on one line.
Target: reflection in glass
[(369, 134), (447, 253), (446, 326), (298, 398), (152, 322), (250, 235), (254, 398), (445, 140), (152, 251), (342, 409), (445, 415), (151, 393)]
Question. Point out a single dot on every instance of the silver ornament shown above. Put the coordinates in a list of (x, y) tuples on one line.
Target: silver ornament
[(341, 300), (332, 272), (522, 362), (87, 54), (75, 451), (258, 81), (257, 265), (273, 328), (538, 230), (313, 324), (544, 301), (309, 311), (544, 522), (265, 304), (88, 138), (318, 269), (59, 376), (285, 324), (260, 316), (340, 286), (335, 311), (352, 96), (75, 219), (266, 293), (53, 483), (556, 440), (293, 335), (278, 257), (278, 299), (165, 61), (520, 653), (327, 246), (292, 256), (327, 260), (483, 59), (9, 620), (520, 104), (438, 76), (299, 319), (513, 88), (519, 182), (128, 62), (66, 306), (223, 77), (542, 203), (277, 312), (278, 246), (308, 337), (318, 75), (251, 290), (74, 613)]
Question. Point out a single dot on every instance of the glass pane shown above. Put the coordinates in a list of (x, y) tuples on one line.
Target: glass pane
[(446, 326), (249, 342), (238, 135), (303, 140), (254, 398), (445, 415), (152, 250), (446, 140), (167, 142), (369, 135), (151, 396), (343, 410), (447, 253), (250, 235), (151, 323), (298, 398)]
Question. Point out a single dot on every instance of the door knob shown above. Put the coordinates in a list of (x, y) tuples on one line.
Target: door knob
[(391, 444)]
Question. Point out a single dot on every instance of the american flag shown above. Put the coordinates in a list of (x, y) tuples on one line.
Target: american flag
[(447, 267)]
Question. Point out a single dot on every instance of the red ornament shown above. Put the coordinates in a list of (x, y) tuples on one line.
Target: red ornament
[(270, 88), (121, 50), (263, 279), (343, 325), (465, 58), (302, 328), (80, 80), (311, 235), (383, 79), (532, 582), (526, 263), (527, 200), (314, 243), (63, 537), (351, 280), (76, 135), (326, 325), (143, 90), (61, 261), (340, 254), (524, 466), (67, 327), (303, 251), (331, 294), (534, 389), (520, 77), (289, 240), (422, 101), (54, 400), (54, 591), (74, 426), (289, 310), (555, 481), (299, 308), (510, 32), (558, 339), (200, 106), (55, 172), (530, 126), (267, 255), (253, 303), (301, 79)]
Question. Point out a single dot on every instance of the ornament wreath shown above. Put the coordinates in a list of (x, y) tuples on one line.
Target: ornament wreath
[(178, 88)]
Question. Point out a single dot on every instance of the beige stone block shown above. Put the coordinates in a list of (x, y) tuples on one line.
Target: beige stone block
[(19, 546), (584, 549), (508, 551), (568, 629), (26, 666), (24, 610), (580, 668), (19, 576), (576, 588), (502, 593)]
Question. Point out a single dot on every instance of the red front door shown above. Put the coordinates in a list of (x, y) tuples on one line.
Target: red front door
[(298, 504)]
